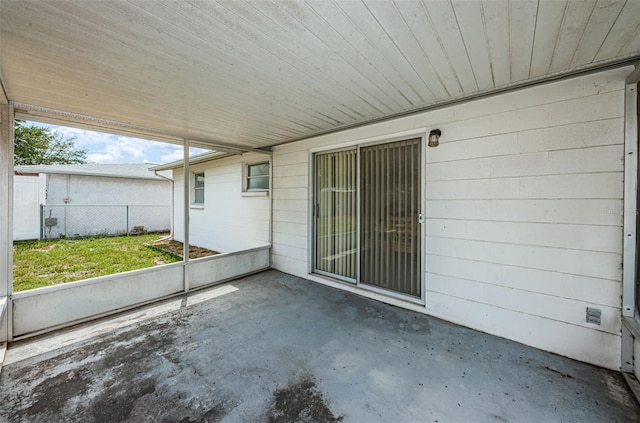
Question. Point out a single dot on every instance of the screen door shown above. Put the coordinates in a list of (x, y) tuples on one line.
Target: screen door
[(390, 198)]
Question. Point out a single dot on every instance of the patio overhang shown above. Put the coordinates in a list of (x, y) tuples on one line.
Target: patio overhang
[(240, 76)]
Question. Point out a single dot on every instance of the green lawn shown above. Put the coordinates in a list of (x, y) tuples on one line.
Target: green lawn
[(45, 263)]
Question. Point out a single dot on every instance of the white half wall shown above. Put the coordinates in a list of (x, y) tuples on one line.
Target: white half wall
[(44, 309), (229, 220), (523, 212), (62, 305), (227, 266)]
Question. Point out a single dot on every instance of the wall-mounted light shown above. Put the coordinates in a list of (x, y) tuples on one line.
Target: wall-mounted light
[(434, 137)]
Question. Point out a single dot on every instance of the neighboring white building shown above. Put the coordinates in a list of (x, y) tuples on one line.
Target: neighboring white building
[(89, 199), (229, 202)]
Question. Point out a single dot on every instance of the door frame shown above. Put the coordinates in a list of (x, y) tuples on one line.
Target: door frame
[(358, 144)]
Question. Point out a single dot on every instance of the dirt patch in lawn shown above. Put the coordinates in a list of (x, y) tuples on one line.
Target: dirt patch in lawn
[(176, 248), (46, 248)]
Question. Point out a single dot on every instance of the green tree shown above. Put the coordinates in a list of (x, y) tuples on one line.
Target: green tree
[(41, 146)]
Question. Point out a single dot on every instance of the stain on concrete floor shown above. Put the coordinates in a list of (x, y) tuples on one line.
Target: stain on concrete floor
[(282, 349), (301, 402)]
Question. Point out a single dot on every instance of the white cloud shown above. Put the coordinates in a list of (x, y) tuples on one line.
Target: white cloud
[(108, 148), (173, 156), (83, 137), (125, 148), (99, 158)]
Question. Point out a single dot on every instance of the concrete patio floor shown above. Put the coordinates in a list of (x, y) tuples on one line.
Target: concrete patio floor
[(273, 347)]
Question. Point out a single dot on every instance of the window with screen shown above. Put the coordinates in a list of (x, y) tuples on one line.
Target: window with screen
[(257, 177), (198, 188)]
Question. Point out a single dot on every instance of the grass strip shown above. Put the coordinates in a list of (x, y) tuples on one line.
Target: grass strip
[(45, 263)]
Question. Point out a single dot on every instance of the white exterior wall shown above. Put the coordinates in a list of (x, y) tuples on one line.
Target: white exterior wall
[(523, 213), (89, 190), (97, 205), (230, 220)]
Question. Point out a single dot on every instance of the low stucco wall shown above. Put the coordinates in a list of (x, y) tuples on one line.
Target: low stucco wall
[(43, 309), (50, 307), (204, 271)]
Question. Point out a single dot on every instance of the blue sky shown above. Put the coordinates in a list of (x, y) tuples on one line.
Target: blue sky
[(109, 148)]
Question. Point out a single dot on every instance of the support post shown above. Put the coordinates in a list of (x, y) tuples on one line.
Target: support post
[(6, 217), (630, 199), (630, 231), (186, 192), (41, 221)]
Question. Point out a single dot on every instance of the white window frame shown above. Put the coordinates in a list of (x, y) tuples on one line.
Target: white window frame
[(245, 178), (193, 178)]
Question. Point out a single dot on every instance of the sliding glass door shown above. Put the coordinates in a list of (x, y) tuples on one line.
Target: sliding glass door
[(367, 217), (335, 215)]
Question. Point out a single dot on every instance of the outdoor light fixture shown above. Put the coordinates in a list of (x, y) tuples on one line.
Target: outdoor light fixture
[(434, 137)]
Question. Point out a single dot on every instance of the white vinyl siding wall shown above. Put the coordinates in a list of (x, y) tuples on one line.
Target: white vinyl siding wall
[(228, 221), (523, 212)]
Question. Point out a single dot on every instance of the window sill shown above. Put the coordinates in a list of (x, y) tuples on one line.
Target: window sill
[(196, 206), (254, 193)]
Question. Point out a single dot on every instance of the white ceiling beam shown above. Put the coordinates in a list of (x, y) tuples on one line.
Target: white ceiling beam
[(57, 117)]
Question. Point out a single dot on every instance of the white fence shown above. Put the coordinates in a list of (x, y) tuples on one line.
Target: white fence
[(73, 221), (26, 200)]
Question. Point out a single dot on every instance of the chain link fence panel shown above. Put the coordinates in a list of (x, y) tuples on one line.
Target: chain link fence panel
[(76, 221)]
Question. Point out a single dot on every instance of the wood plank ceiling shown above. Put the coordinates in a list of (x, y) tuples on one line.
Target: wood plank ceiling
[(257, 73)]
